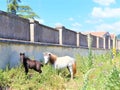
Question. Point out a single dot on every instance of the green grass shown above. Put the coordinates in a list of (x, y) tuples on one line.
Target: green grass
[(104, 74)]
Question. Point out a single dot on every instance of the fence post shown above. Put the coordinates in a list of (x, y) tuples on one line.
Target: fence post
[(109, 43), (32, 30), (60, 36), (78, 39), (98, 42), (60, 28), (104, 43)]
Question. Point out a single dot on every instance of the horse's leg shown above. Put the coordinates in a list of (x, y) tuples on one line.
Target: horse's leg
[(38, 68), (68, 68), (26, 70), (58, 71), (71, 71)]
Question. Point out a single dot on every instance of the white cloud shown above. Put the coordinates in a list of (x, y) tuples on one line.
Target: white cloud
[(94, 21), (105, 2), (76, 24), (106, 12), (71, 19), (114, 27), (58, 24)]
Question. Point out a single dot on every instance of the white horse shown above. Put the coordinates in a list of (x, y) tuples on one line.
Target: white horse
[(61, 62)]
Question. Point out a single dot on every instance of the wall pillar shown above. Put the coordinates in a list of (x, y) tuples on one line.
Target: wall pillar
[(32, 30), (104, 43), (60, 37), (60, 28), (78, 39), (109, 43), (98, 42)]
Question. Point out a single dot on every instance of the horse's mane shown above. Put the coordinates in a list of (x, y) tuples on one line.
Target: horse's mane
[(53, 58), (26, 58)]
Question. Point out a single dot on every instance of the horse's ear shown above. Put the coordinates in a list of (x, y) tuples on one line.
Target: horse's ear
[(23, 53), (49, 54), (20, 53)]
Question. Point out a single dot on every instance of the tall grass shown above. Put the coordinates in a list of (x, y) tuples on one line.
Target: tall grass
[(113, 80), (95, 78), (101, 74), (15, 78)]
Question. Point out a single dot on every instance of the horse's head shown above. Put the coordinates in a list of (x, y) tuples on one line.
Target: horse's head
[(49, 57), (22, 55), (46, 57)]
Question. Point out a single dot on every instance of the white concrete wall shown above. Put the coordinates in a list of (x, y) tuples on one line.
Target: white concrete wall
[(9, 51)]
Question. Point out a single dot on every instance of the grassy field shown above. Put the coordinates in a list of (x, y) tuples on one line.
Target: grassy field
[(95, 72)]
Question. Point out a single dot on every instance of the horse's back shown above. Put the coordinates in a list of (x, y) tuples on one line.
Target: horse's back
[(65, 61), (66, 58)]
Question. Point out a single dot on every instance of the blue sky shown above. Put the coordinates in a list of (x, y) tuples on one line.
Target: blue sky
[(77, 15)]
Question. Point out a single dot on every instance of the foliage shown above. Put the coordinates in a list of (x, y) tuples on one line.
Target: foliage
[(21, 10), (86, 63), (114, 52), (2, 79), (90, 57), (103, 75), (113, 80), (94, 78), (16, 79), (83, 63), (86, 79), (12, 6), (26, 12)]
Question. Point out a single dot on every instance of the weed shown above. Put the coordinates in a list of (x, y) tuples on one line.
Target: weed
[(97, 74)]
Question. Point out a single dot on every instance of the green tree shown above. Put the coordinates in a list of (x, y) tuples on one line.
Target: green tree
[(26, 12), (14, 7)]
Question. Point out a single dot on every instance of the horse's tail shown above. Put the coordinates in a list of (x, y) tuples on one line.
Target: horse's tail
[(74, 68)]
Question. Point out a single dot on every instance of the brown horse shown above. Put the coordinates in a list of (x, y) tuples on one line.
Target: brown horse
[(30, 64)]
